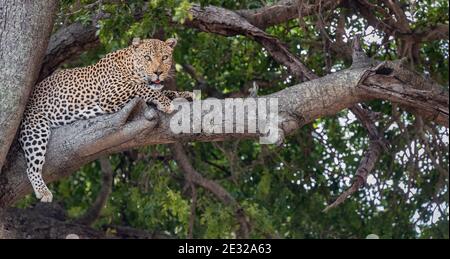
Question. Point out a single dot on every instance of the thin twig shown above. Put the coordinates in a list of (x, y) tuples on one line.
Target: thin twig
[(223, 195)]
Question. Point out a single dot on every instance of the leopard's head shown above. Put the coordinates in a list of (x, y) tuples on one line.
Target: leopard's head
[(152, 60)]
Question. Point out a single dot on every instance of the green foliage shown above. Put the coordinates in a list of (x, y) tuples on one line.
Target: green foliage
[(283, 190)]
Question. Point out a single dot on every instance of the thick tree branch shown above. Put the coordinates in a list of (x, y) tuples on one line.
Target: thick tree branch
[(285, 10), (419, 95), (136, 125)]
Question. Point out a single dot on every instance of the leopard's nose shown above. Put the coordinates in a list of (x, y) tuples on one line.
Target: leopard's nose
[(158, 73)]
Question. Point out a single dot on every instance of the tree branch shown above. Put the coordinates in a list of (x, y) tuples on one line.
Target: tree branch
[(400, 85), (365, 167), (66, 43), (228, 23), (402, 28), (402, 21), (223, 195), (285, 10), (49, 221), (437, 32), (93, 213), (367, 120), (42, 222), (136, 125), (367, 164)]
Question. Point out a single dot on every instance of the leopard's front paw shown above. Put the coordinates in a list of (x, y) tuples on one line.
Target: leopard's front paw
[(190, 96), (169, 108)]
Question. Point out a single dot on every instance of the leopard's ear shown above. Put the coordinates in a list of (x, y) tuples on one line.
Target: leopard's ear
[(172, 42), (136, 42)]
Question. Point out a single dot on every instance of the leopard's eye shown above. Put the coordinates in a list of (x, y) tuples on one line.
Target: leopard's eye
[(147, 57), (165, 57)]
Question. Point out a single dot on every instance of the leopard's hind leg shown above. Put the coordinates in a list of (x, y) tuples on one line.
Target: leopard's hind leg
[(34, 135)]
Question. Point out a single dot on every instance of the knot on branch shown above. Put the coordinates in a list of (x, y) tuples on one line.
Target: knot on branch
[(359, 57), (288, 123), (133, 109)]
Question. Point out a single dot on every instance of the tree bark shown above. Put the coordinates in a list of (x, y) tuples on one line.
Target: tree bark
[(25, 27)]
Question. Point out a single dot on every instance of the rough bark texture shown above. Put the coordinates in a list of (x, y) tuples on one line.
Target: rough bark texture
[(25, 27), (391, 80), (285, 10), (137, 125)]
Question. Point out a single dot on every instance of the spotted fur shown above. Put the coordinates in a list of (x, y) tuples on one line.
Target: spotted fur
[(82, 93)]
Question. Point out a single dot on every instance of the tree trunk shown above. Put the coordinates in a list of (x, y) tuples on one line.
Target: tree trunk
[(25, 28)]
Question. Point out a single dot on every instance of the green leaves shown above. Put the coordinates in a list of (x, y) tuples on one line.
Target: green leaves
[(177, 207), (182, 12)]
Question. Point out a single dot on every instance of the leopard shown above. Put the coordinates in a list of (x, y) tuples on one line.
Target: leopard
[(81, 93)]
